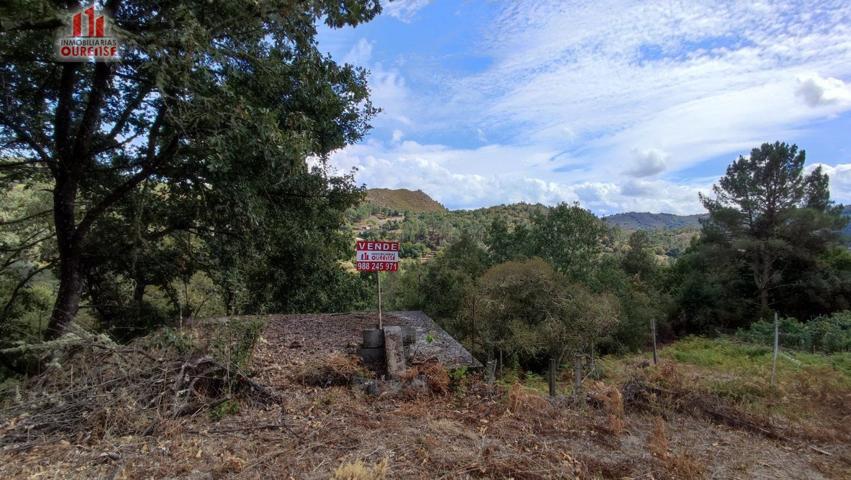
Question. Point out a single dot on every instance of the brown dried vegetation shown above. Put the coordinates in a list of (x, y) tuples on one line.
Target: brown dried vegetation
[(319, 426)]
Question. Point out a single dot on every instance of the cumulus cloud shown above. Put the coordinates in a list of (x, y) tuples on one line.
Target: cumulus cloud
[(648, 162), (817, 91), (438, 170)]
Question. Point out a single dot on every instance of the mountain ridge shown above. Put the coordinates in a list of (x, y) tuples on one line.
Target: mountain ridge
[(417, 201), (653, 221)]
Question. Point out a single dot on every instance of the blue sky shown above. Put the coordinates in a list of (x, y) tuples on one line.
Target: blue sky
[(619, 105)]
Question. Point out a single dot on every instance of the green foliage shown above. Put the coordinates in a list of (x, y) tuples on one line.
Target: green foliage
[(570, 238), (27, 284), (202, 127), (222, 410), (440, 287), (232, 342), (827, 334), (751, 360), (168, 338), (528, 310), (767, 244)]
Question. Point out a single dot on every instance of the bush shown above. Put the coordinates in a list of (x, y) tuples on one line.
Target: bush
[(826, 334)]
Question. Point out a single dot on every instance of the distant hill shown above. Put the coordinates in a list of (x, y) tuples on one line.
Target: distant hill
[(653, 221), (403, 200)]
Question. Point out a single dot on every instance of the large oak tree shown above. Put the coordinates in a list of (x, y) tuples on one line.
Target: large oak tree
[(206, 94)]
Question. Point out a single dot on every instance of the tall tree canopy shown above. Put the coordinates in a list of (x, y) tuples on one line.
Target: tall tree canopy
[(770, 234), (219, 103)]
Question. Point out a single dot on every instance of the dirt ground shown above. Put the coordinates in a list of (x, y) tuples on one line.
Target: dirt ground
[(472, 431)]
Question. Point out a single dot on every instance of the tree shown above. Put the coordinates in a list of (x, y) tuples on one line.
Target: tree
[(527, 308), (501, 243), (570, 238), (777, 220), (451, 275), (639, 259), (204, 94)]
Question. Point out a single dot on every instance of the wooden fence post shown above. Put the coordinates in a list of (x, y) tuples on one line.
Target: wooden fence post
[(552, 375), (577, 378), (653, 332)]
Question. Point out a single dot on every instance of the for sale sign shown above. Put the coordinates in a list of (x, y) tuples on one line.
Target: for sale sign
[(375, 256)]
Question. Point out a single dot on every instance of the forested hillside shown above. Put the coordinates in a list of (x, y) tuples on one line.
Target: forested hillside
[(424, 232), (653, 221)]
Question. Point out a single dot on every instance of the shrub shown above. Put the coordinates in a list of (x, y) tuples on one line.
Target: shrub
[(826, 334)]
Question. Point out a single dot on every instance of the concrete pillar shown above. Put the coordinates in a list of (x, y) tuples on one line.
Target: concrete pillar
[(394, 351)]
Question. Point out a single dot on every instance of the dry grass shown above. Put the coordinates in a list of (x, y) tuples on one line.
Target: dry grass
[(335, 369), (681, 465), (479, 431), (361, 471), (97, 390), (611, 400), (522, 400), (433, 373), (658, 440)]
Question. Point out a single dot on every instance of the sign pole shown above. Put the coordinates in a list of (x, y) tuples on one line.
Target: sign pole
[(377, 256), (380, 323)]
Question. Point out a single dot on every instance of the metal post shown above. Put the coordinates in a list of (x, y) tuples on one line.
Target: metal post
[(380, 322), (776, 349)]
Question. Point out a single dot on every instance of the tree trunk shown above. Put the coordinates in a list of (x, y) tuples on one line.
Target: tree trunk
[(763, 301), (138, 298), (68, 299), (70, 257)]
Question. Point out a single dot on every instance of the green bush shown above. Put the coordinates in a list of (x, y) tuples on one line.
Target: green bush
[(822, 334), (232, 343)]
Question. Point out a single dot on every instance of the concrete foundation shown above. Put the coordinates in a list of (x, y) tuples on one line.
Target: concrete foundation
[(394, 351)]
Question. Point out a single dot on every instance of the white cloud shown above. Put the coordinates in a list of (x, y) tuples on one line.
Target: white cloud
[(360, 54), (446, 175), (695, 79), (819, 91), (404, 10), (604, 102), (648, 162)]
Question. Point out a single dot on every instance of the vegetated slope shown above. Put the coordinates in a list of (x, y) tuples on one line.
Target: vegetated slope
[(403, 200), (653, 221)]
